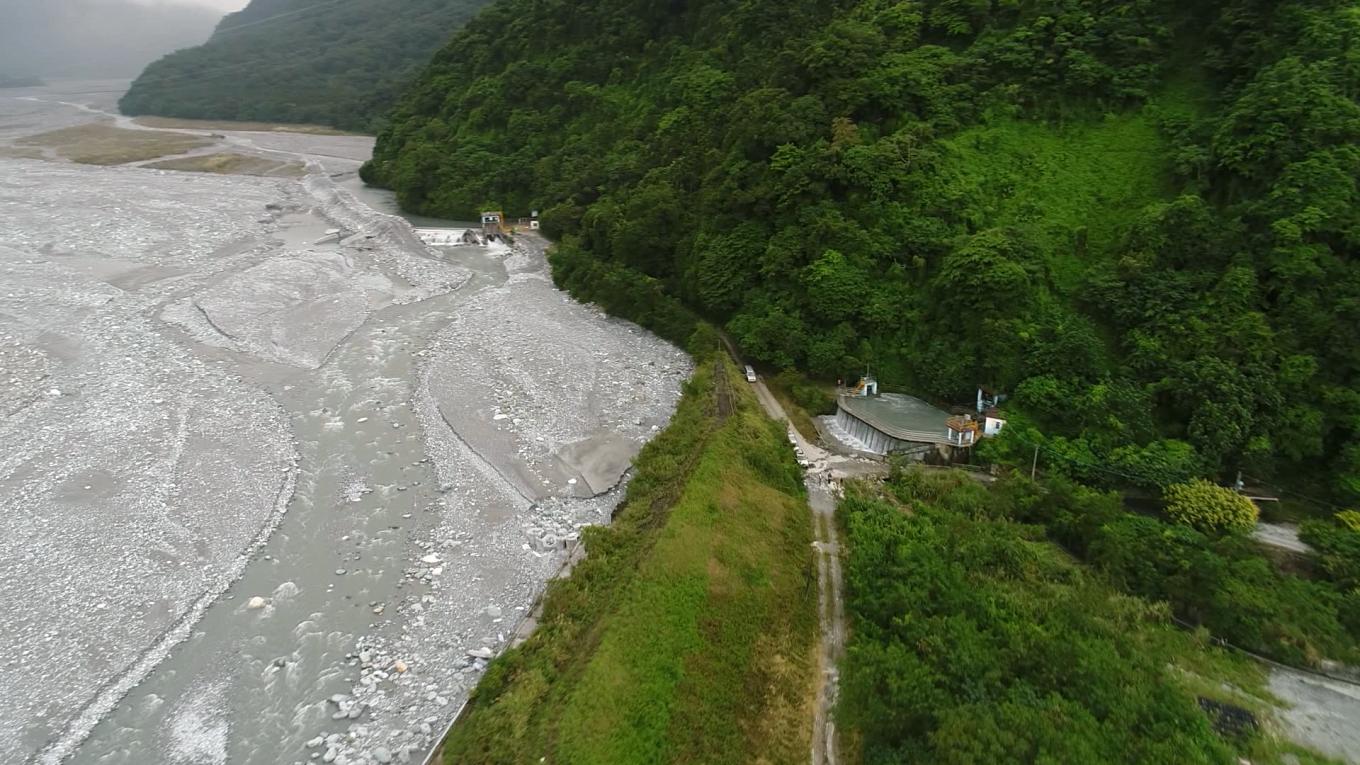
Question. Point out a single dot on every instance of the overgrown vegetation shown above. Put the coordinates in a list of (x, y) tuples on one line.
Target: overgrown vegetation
[(299, 61), (687, 633), (973, 640), (1224, 583), (1138, 216), (802, 399), (1336, 546), (976, 640), (104, 144)]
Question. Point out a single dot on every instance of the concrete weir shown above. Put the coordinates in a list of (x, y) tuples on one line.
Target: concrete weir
[(889, 423)]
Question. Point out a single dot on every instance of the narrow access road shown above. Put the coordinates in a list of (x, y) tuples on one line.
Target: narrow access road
[(830, 608)]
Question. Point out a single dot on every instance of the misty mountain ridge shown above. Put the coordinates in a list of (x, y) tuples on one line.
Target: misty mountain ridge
[(341, 64), (104, 38)]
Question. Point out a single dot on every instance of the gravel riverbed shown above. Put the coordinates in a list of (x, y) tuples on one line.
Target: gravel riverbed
[(277, 478)]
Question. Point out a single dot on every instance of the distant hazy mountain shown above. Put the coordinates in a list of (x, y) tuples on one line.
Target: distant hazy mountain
[(7, 81), (94, 38), (338, 63)]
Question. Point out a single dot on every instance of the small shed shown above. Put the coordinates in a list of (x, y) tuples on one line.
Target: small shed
[(988, 398), (961, 431), (493, 222), (868, 386)]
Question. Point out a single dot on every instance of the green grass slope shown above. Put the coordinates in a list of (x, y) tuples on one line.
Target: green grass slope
[(1074, 190), (688, 632)]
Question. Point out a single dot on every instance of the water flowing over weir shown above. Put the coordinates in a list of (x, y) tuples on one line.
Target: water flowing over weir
[(452, 417)]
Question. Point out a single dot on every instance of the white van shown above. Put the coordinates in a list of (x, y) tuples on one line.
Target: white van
[(750, 374)]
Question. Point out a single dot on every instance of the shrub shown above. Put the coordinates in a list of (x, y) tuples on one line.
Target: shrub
[(971, 642), (1208, 507), (1350, 519), (813, 398), (1336, 551), (1224, 583)]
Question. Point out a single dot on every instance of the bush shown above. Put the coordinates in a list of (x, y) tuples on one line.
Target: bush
[(1208, 507), (971, 642), (1336, 550), (621, 291), (813, 398), (1224, 583), (1350, 519)]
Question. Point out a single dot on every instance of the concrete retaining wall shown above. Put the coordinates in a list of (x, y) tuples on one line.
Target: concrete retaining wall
[(873, 439)]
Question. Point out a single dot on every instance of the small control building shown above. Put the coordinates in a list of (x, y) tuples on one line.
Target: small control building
[(493, 222)]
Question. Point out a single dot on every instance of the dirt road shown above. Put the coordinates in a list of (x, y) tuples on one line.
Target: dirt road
[(822, 496)]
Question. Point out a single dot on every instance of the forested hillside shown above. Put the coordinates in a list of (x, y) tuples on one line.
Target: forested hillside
[(1139, 218), (341, 63)]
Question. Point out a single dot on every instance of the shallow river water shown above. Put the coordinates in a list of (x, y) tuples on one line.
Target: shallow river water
[(278, 490)]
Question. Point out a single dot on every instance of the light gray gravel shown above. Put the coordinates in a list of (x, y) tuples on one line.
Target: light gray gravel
[(135, 476), (184, 357)]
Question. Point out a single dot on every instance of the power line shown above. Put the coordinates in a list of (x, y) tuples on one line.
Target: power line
[(1264, 659), (1318, 502)]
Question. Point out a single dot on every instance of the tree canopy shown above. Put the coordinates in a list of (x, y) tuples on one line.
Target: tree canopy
[(1137, 216), (340, 64)]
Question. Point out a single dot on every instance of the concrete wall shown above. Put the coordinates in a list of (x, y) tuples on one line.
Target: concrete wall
[(873, 439)]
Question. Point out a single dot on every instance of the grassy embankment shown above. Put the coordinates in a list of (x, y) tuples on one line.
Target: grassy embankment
[(975, 639), (688, 632), (102, 144), (231, 163)]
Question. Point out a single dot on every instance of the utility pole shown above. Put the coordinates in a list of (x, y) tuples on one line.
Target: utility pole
[(1034, 465)]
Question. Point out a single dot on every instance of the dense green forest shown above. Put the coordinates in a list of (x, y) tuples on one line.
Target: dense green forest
[(340, 63), (976, 639), (1139, 218)]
